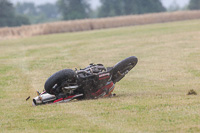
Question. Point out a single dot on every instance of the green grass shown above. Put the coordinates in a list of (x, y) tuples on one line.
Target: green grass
[(151, 98)]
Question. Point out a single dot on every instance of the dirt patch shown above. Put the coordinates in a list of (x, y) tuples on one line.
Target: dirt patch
[(192, 92)]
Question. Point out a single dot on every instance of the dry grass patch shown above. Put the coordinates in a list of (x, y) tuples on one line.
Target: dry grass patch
[(93, 24)]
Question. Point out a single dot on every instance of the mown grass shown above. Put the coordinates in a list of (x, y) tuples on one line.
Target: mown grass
[(151, 98)]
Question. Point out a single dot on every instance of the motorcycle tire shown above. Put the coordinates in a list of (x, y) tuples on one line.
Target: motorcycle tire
[(57, 79), (123, 67)]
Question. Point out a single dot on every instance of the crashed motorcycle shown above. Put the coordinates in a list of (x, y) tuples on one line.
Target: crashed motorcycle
[(92, 82)]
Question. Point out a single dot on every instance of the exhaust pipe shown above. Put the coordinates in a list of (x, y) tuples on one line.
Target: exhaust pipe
[(43, 98)]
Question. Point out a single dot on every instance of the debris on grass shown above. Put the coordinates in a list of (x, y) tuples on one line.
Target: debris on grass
[(27, 98), (192, 92)]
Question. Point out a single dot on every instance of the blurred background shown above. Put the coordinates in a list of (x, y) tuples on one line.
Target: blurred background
[(27, 12)]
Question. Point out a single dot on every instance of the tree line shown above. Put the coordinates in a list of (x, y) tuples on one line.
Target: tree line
[(8, 16), (28, 13)]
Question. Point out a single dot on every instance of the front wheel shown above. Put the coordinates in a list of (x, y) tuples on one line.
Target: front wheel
[(123, 67)]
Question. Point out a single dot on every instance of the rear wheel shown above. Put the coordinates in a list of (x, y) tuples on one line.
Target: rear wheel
[(123, 67), (54, 82)]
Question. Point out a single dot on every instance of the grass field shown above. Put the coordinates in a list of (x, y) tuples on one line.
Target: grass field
[(151, 98)]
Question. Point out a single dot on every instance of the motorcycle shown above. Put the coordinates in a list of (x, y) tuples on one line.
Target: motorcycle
[(92, 82)]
